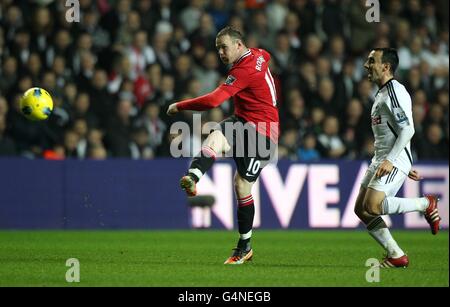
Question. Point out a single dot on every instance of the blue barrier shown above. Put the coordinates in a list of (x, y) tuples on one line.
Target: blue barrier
[(127, 194)]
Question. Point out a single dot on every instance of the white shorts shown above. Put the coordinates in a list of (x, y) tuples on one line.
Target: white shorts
[(390, 184)]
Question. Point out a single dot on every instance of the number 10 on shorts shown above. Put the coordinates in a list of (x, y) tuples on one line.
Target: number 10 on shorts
[(253, 167)]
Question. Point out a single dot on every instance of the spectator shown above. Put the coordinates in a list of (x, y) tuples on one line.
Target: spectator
[(83, 46), (140, 54), (148, 16), (259, 28), (60, 47), (330, 145), (295, 113), (326, 98), (205, 34), (118, 133), (288, 144), (435, 146), (312, 48), (317, 118), (184, 72), (80, 127), (207, 74), (41, 29), (100, 37), (179, 44), (219, 13), (277, 11), (9, 75), (283, 54), (62, 74), (345, 83), (139, 147), (115, 18), (190, 15), (292, 28), (102, 106), (21, 48), (354, 128), (71, 140), (13, 21), (121, 71), (161, 48), (166, 93), (151, 121), (127, 30), (34, 68), (308, 151)]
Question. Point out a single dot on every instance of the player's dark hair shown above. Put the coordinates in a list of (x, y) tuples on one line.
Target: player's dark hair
[(389, 56), (231, 32)]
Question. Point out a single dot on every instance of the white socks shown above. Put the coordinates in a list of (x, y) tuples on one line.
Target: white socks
[(378, 230), (384, 237), (396, 205)]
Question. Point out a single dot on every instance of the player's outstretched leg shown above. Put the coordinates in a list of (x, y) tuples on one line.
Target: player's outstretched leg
[(378, 229), (396, 205), (215, 143), (245, 214)]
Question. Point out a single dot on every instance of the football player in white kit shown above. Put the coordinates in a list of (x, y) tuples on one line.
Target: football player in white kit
[(393, 128)]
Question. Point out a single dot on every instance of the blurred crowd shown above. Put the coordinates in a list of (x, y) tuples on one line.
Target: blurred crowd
[(113, 74)]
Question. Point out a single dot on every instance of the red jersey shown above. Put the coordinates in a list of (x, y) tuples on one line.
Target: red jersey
[(251, 84)]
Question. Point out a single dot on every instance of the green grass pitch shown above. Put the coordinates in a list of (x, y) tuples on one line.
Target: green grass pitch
[(195, 258)]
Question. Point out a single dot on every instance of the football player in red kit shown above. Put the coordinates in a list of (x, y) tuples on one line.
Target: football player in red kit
[(250, 136)]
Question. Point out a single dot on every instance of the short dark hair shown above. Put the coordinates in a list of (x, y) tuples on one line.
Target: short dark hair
[(231, 32), (389, 56)]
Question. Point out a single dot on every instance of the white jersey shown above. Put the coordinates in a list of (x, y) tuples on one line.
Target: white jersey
[(392, 113)]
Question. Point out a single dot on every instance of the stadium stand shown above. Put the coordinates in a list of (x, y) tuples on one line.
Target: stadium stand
[(113, 74)]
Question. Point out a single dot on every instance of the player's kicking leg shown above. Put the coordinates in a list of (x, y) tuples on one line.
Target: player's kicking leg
[(245, 214), (380, 232), (215, 143)]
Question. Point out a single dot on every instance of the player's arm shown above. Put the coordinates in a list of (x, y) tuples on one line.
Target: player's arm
[(401, 110), (402, 125), (237, 80), (202, 103)]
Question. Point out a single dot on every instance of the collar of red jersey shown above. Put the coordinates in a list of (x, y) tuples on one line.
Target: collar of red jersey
[(246, 54)]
